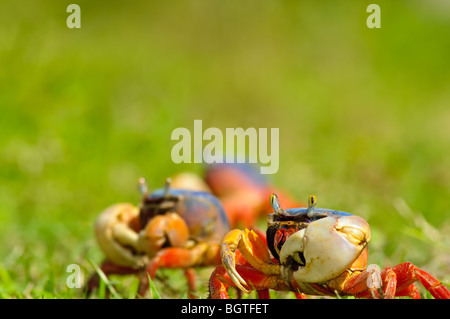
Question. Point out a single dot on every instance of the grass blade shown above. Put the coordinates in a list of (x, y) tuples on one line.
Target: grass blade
[(104, 282), (154, 294)]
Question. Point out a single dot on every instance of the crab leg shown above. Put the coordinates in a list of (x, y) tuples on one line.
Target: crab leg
[(221, 280), (399, 281), (252, 248), (190, 277), (177, 257), (218, 285), (391, 282), (408, 273), (376, 284)]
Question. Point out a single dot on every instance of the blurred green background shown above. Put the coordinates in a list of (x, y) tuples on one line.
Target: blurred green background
[(363, 114)]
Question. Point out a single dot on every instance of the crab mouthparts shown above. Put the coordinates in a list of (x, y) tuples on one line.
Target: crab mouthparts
[(292, 251), (295, 261)]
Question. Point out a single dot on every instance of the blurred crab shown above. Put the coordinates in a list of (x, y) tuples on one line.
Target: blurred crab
[(172, 228), (243, 192), (314, 251)]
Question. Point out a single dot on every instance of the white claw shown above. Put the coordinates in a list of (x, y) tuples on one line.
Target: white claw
[(116, 239), (328, 247), (125, 235)]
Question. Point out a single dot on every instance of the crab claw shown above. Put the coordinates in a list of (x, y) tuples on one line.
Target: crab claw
[(227, 252), (324, 249), (252, 248), (168, 230), (116, 234)]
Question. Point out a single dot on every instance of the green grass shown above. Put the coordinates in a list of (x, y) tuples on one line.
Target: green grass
[(363, 117)]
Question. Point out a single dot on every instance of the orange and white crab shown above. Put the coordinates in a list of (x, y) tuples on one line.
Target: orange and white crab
[(313, 251), (172, 228)]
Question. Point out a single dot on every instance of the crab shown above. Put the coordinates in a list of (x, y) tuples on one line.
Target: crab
[(313, 251), (172, 228), (243, 192)]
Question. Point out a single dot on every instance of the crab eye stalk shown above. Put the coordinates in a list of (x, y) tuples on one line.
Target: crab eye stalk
[(142, 186), (167, 186), (312, 200), (275, 203)]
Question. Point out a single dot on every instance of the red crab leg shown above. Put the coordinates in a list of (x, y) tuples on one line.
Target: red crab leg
[(396, 281), (170, 258), (263, 294), (190, 277), (389, 280), (371, 283), (218, 289), (411, 291), (408, 273), (220, 281), (176, 257)]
